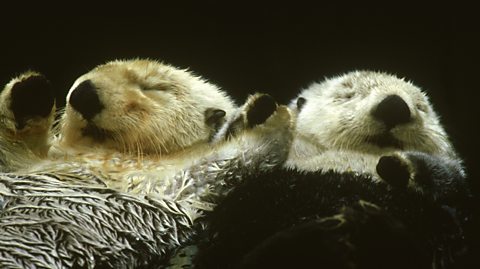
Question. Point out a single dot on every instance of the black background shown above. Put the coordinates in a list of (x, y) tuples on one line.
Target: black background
[(275, 48)]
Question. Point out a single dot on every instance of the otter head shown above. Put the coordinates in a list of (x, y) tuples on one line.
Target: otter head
[(369, 112), (141, 107)]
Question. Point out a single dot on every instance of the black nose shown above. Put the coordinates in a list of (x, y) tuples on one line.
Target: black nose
[(392, 111), (84, 99)]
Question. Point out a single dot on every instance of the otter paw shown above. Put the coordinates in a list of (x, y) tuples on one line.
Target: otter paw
[(31, 96), (256, 110), (395, 170), (260, 109)]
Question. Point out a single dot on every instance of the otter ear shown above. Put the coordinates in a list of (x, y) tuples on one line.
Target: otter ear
[(300, 103), (214, 117)]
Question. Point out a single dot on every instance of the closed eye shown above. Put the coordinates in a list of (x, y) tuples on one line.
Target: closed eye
[(144, 87), (349, 95), (346, 95), (154, 87)]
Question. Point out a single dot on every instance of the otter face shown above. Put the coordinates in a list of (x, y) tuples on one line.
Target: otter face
[(140, 107), (372, 113)]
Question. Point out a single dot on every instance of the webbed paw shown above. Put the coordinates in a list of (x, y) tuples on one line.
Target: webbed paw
[(437, 177), (395, 169), (27, 107), (256, 110), (27, 99), (261, 107)]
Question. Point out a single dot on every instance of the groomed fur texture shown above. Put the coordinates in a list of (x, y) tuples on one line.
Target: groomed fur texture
[(60, 212), (79, 222), (121, 117), (363, 138), (142, 124)]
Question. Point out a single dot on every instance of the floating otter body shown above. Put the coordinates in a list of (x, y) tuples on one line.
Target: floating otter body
[(99, 199), (371, 181)]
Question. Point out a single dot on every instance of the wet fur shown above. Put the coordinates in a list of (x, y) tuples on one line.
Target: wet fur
[(143, 203), (335, 166)]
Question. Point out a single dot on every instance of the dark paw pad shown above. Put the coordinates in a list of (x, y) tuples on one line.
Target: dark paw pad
[(31, 97), (260, 110), (393, 171)]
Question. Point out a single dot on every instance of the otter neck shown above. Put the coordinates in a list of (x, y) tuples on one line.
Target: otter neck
[(303, 148)]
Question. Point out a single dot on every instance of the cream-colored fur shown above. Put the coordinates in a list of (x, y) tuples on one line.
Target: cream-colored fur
[(22, 146), (335, 126), (148, 108), (158, 141), (177, 180)]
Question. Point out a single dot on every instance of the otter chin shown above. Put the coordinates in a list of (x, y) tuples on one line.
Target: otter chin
[(385, 140), (96, 133)]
